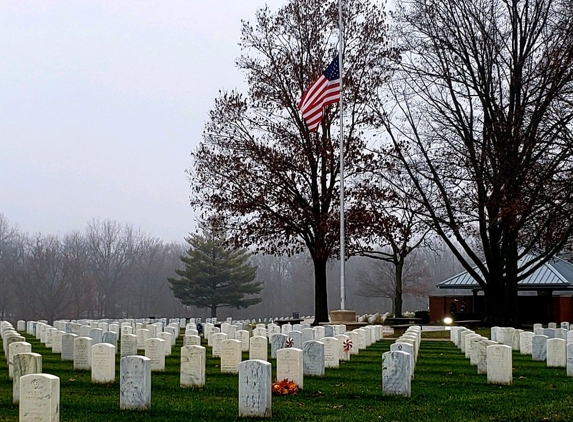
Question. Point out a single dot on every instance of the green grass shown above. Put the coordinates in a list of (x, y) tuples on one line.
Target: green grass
[(446, 388)]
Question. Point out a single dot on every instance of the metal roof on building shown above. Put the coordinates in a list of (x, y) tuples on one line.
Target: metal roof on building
[(556, 274)]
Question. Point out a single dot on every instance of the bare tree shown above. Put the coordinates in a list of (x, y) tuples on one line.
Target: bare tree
[(395, 224), (111, 247), (150, 292), (274, 183), (75, 268), (10, 254), (482, 122), (378, 279), (45, 289)]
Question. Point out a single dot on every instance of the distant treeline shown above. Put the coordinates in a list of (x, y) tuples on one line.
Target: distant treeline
[(111, 270)]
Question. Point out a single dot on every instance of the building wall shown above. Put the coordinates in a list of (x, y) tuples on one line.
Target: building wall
[(440, 307), (532, 309), (563, 308)]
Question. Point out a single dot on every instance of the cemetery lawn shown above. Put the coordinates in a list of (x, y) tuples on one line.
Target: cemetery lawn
[(446, 388)]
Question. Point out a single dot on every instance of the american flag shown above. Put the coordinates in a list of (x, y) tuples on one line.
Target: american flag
[(324, 91)]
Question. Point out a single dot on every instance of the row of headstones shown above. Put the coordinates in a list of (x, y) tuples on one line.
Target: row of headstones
[(399, 363), (21, 361), (292, 363), (41, 392), (135, 379), (552, 345), (73, 326), (257, 345), (102, 333), (266, 330), (492, 358), (83, 351)]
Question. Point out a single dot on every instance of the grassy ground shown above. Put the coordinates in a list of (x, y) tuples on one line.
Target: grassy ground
[(446, 388)]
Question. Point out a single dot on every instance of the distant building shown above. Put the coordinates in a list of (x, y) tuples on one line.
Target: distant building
[(545, 296)]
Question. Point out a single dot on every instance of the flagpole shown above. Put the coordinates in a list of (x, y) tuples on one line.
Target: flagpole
[(342, 237)]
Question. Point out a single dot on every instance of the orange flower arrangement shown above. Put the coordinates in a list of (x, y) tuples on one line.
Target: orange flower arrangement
[(285, 388)]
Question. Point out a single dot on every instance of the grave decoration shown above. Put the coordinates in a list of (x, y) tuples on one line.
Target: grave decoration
[(285, 388), (347, 345)]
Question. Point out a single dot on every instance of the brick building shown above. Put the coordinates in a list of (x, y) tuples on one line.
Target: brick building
[(545, 296)]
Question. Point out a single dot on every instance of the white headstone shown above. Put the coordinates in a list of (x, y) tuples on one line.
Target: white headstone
[(135, 383), (482, 355), (467, 347), (296, 337), (128, 345), (400, 346), (216, 340), (155, 351), (307, 334), (191, 332), (126, 329), (97, 335), (83, 353), (39, 398), (191, 340), (331, 352), (319, 332), (474, 352), (396, 373), (57, 341), (345, 346), (255, 384), (13, 349), (68, 346), (258, 348), (260, 332), (273, 329), (50, 336), (174, 333), (103, 363), (142, 335), (525, 338), (24, 364), (243, 337), (556, 353), (231, 356), (570, 359), (539, 348), (505, 336), (289, 366), (110, 337), (167, 337), (277, 342), (193, 360), (313, 358), (499, 364)]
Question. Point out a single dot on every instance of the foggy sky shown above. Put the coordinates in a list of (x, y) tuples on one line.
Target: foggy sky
[(101, 103)]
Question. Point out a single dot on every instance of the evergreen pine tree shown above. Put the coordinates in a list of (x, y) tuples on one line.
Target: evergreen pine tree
[(214, 275)]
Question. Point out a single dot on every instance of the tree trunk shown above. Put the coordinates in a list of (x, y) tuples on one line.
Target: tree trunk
[(214, 311), (501, 294), (399, 265), (320, 292), (510, 305)]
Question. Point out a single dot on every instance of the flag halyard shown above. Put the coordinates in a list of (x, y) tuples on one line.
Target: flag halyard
[(321, 93)]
